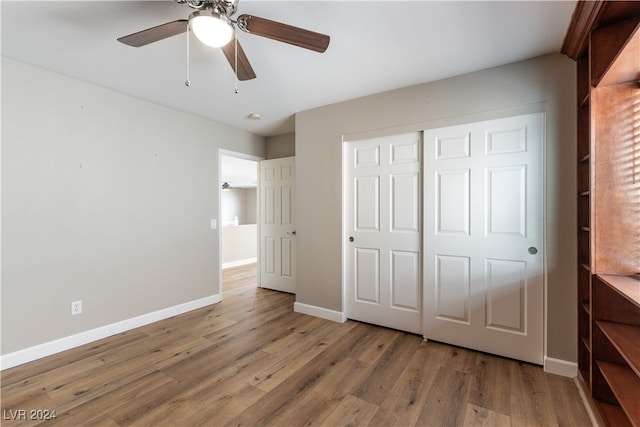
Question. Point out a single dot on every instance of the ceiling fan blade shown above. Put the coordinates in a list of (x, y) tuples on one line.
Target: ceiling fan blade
[(284, 33), (155, 34), (245, 71)]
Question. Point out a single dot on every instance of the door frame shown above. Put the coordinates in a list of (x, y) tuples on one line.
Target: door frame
[(538, 107), (228, 153)]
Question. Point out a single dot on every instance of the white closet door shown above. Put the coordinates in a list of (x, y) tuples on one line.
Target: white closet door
[(483, 240), (383, 226)]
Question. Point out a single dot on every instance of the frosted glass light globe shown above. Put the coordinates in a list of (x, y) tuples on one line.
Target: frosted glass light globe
[(211, 28)]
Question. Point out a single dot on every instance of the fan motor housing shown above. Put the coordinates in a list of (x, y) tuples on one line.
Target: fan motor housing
[(223, 7)]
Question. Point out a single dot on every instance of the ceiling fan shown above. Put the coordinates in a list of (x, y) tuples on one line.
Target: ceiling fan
[(212, 23)]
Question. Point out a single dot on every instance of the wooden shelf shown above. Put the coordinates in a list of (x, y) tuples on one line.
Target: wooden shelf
[(614, 349), (584, 159), (614, 415), (627, 286), (619, 45), (586, 308), (604, 39), (626, 339), (624, 384), (585, 101), (587, 343)]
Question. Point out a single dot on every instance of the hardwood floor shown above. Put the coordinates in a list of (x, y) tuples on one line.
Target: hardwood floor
[(250, 360)]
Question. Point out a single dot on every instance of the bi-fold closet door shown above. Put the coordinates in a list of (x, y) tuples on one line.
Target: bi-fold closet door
[(447, 234)]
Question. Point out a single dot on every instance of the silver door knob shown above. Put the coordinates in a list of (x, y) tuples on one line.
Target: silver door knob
[(532, 250)]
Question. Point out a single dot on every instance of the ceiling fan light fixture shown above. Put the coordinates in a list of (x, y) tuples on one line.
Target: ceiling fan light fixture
[(211, 28)]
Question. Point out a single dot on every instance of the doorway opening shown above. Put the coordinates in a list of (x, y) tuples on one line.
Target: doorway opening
[(238, 190)]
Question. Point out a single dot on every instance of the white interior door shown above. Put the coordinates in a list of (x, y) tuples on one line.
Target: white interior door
[(277, 224), (383, 225), (484, 236)]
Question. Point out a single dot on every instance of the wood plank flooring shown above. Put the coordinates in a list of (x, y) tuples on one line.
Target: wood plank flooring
[(251, 361)]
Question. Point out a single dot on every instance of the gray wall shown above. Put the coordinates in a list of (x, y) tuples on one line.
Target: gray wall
[(547, 82), (241, 203), (105, 199), (280, 146)]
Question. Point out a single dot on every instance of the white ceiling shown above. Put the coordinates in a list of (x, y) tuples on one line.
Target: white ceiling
[(375, 46)]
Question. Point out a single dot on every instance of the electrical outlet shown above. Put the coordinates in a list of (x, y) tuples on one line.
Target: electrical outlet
[(76, 308)]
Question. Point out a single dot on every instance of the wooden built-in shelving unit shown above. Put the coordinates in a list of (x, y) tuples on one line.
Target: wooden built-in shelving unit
[(604, 39), (616, 346)]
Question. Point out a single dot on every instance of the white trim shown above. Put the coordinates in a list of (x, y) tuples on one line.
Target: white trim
[(46, 349), (239, 262), (345, 246), (560, 367), (323, 313)]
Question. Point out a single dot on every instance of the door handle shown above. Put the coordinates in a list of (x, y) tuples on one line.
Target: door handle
[(532, 250), (351, 239), (292, 232)]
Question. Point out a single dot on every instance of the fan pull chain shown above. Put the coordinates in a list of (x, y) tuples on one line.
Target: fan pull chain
[(187, 82), (235, 40)]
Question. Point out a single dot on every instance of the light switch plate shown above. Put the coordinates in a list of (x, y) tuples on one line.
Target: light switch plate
[(214, 224)]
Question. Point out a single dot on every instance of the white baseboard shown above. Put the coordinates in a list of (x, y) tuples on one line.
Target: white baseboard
[(560, 367), (323, 313), (20, 357), (239, 263)]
